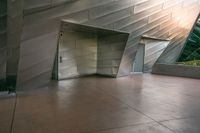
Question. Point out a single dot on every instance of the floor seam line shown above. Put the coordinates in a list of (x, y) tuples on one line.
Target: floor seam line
[(131, 125), (137, 110), (189, 117), (13, 115)]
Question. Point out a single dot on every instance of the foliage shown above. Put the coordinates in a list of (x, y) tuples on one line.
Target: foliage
[(192, 63)]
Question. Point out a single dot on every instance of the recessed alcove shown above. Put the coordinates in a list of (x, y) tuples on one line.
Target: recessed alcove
[(149, 51), (86, 50)]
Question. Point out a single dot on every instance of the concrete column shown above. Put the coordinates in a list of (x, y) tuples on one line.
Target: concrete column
[(3, 20), (14, 29)]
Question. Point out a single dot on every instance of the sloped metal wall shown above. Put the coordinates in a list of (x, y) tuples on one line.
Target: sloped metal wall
[(159, 18), (109, 53), (148, 53), (153, 50)]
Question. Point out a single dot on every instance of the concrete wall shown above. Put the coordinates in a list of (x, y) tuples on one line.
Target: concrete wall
[(177, 70), (160, 18), (3, 51), (14, 30)]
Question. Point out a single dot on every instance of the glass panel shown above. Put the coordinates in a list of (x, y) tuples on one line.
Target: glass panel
[(191, 52)]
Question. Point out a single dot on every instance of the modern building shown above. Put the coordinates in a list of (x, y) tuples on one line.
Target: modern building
[(99, 66)]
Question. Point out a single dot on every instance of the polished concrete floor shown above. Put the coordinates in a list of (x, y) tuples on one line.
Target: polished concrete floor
[(135, 104)]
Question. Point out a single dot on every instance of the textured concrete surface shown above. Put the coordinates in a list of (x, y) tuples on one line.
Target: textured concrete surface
[(177, 70), (3, 52), (135, 104)]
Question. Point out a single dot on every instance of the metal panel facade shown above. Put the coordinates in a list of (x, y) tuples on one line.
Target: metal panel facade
[(159, 18)]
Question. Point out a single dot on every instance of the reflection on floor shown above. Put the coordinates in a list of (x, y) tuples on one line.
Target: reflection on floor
[(136, 104), (7, 105)]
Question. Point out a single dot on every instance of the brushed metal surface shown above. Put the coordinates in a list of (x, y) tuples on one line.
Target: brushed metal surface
[(149, 50), (138, 64), (77, 54), (110, 52), (153, 50), (168, 19), (85, 50)]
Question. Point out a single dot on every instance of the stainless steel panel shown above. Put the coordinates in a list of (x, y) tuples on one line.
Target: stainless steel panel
[(28, 4), (135, 26), (80, 17), (126, 65), (146, 5), (136, 17), (109, 8), (38, 52), (172, 3), (110, 52), (77, 54), (63, 10), (39, 29), (110, 18), (153, 50), (114, 15), (85, 50), (138, 64), (60, 1)]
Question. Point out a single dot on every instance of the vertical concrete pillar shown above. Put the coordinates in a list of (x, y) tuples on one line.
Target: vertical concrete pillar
[(14, 29), (3, 20)]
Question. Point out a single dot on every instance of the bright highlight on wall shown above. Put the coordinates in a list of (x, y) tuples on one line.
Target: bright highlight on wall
[(184, 19)]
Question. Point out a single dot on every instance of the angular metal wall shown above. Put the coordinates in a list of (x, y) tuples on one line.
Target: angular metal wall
[(159, 18), (85, 50), (153, 50), (109, 53), (77, 54)]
